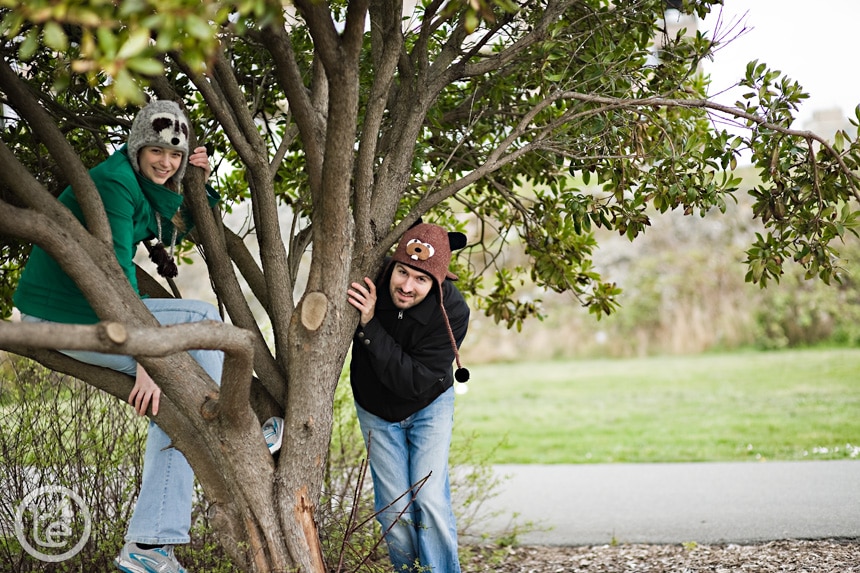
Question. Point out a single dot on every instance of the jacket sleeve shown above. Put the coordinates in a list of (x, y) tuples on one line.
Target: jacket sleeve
[(426, 367), (120, 208)]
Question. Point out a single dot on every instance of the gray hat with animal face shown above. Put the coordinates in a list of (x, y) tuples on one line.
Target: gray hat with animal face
[(160, 124)]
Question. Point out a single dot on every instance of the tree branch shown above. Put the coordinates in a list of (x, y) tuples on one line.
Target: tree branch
[(492, 64), (386, 45), (222, 109), (248, 267), (272, 253), (26, 104), (89, 262), (289, 76), (233, 115), (238, 106), (724, 109), (318, 17), (117, 338)]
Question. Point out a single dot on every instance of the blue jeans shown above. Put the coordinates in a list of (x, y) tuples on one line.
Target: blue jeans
[(401, 454), (162, 514)]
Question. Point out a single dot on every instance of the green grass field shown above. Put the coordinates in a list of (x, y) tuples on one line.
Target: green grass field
[(792, 405)]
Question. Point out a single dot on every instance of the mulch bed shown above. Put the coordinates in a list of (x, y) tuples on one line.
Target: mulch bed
[(820, 556)]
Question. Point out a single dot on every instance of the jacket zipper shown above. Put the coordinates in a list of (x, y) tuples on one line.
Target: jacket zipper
[(400, 315)]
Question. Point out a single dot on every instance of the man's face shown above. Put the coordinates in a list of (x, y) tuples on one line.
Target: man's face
[(408, 286)]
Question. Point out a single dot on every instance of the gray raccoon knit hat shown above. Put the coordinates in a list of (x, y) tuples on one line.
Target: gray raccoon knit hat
[(160, 124)]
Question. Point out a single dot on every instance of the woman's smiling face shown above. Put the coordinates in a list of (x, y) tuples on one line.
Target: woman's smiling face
[(158, 164)]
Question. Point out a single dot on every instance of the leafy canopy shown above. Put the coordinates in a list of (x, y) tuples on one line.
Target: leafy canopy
[(542, 121)]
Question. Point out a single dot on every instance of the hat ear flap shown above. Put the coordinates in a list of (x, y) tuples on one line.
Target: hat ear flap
[(456, 240)]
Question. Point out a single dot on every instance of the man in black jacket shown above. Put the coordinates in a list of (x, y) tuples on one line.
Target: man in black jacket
[(413, 320)]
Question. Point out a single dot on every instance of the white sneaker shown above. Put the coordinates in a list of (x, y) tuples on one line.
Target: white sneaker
[(134, 559), (273, 431)]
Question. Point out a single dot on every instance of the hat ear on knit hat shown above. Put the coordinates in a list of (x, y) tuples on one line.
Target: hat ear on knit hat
[(161, 123), (427, 248)]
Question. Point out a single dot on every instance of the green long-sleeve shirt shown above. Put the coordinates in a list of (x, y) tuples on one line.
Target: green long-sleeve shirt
[(131, 202)]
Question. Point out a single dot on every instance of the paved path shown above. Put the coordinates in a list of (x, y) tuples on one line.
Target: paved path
[(675, 503)]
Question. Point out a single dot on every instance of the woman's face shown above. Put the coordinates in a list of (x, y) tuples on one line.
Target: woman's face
[(158, 164)]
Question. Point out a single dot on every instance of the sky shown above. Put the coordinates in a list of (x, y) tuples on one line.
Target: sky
[(813, 42)]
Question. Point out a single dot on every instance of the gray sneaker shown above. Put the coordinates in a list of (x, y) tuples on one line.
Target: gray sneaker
[(133, 559)]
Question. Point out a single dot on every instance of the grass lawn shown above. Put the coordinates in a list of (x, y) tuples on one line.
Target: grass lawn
[(790, 405)]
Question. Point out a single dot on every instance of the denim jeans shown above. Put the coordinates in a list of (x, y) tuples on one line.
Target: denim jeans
[(162, 514), (401, 454)]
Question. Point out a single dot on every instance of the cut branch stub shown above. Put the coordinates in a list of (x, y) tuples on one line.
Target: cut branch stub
[(314, 309), (114, 332)]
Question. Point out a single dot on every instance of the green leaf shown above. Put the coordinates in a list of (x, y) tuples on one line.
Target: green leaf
[(137, 42), (126, 90), (198, 28), (29, 45), (12, 23), (145, 66), (54, 36), (471, 21), (106, 42)]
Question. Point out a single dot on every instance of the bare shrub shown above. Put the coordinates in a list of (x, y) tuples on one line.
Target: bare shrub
[(56, 431)]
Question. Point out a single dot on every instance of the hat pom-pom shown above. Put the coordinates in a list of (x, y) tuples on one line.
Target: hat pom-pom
[(461, 375)]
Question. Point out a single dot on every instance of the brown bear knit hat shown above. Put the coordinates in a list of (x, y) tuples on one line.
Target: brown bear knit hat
[(161, 123), (427, 248)]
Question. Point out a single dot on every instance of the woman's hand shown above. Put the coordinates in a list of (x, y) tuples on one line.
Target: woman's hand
[(145, 391), (199, 158)]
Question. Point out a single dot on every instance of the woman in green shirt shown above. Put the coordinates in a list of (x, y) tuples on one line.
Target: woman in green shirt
[(140, 186)]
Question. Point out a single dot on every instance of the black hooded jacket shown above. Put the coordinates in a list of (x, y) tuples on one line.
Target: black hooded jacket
[(402, 359)]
